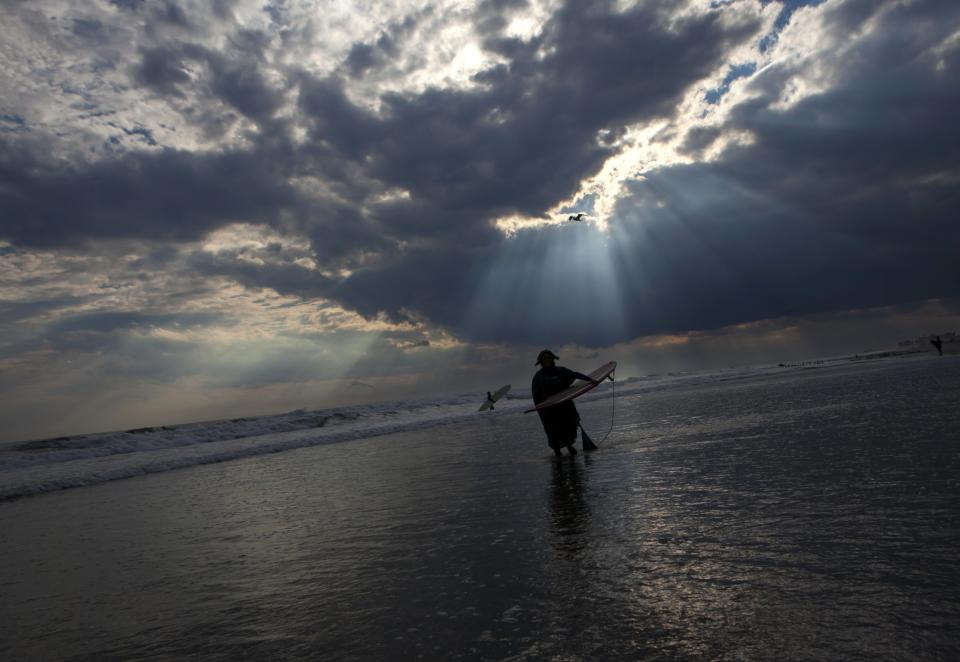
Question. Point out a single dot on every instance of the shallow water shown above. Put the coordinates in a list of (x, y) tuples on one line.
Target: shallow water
[(805, 516)]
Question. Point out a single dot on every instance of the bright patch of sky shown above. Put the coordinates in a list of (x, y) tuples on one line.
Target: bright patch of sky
[(736, 71), (789, 7)]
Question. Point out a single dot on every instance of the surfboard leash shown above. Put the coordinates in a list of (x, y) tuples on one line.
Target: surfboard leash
[(588, 443), (613, 404)]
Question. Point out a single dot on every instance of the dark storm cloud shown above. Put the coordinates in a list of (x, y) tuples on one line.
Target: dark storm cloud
[(434, 283), (519, 144), (700, 138), (524, 140), (464, 156), (700, 269), (810, 216), (244, 88), (364, 57), (234, 79), (847, 199), (530, 137), (161, 70), (171, 12), (281, 276), (170, 195), (335, 120), (338, 232)]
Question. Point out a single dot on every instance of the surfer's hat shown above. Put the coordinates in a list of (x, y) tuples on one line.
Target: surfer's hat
[(545, 353)]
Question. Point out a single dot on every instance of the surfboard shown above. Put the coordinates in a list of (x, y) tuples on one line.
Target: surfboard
[(500, 392), (578, 388)]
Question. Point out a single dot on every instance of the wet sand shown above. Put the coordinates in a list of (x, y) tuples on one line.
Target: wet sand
[(814, 515)]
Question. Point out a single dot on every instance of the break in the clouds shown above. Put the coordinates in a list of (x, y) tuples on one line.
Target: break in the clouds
[(243, 195)]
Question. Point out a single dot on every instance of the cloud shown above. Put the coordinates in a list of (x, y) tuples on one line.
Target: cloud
[(363, 58), (107, 322), (233, 77), (840, 200), (162, 71), (844, 198), (358, 384), (171, 195), (518, 143), (446, 148), (342, 182)]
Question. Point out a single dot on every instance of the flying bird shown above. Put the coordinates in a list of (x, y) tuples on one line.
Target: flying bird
[(578, 217)]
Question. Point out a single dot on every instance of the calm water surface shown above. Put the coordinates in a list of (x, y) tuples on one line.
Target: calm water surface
[(806, 516)]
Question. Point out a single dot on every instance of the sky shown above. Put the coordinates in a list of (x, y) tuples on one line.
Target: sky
[(221, 208)]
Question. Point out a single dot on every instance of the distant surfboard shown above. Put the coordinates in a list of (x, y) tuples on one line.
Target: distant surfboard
[(502, 391), (578, 388)]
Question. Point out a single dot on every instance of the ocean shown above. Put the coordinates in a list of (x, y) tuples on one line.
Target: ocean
[(809, 512)]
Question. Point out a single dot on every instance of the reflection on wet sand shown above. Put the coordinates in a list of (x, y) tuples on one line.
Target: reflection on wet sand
[(569, 508)]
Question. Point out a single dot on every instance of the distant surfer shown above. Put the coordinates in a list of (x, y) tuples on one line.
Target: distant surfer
[(561, 421), (493, 397), (936, 342)]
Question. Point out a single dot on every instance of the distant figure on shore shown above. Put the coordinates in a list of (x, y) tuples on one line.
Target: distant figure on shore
[(560, 421), (936, 342), (493, 397)]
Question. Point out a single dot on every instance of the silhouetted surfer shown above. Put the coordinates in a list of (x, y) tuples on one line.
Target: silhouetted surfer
[(936, 342), (493, 397), (560, 421)]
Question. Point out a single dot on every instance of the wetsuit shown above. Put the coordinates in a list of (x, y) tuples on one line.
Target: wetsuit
[(560, 422)]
